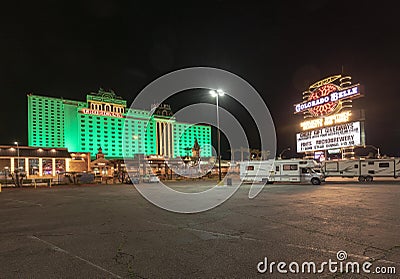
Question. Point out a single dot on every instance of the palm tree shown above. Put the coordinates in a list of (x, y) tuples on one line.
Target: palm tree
[(187, 149), (255, 152)]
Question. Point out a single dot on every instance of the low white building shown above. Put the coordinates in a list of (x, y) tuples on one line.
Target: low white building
[(38, 162)]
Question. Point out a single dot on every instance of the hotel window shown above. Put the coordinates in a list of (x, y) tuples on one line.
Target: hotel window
[(47, 166)]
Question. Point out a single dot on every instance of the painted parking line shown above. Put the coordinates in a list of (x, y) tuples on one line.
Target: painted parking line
[(58, 249), (25, 202), (215, 234)]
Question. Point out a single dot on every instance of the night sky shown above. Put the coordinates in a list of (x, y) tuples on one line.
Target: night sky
[(68, 49)]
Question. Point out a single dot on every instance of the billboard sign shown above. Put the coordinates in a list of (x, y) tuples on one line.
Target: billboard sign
[(338, 136)]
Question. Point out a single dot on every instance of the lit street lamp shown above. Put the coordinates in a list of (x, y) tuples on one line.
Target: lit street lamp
[(218, 93), (283, 151)]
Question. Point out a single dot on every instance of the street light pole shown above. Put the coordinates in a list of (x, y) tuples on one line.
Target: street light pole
[(219, 144), (17, 172), (17, 154), (217, 94)]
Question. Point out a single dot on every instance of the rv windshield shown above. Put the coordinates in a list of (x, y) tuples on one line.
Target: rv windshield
[(314, 170)]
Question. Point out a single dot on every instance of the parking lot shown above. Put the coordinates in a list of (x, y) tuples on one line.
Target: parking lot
[(111, 231)]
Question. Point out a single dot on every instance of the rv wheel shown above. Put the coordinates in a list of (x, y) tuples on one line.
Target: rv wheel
[(369, 178), (315, 181), (361, 179)]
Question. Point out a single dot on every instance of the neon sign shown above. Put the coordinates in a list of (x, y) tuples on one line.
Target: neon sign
[(326, 121), (326, 99), (102, 113)]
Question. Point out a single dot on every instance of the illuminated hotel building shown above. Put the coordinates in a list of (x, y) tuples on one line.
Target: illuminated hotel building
[(105, 121)]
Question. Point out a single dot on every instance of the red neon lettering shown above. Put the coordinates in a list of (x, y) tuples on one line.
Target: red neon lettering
[(103, 113)]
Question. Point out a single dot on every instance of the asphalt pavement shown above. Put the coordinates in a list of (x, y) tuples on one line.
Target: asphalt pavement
[(111, 231)]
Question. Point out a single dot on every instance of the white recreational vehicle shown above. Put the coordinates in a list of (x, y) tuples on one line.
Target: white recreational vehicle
[(364, 169), (289, 170)]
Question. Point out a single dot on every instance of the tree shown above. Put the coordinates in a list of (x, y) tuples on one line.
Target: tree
[(187, 149), (255, 152)]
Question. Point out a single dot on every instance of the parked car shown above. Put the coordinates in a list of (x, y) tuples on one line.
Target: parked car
[(150, 178), (132, 180)]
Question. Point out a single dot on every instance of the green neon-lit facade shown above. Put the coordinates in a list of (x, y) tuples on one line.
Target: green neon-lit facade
[(105, 121)]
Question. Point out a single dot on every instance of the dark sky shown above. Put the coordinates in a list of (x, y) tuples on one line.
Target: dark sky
[(70, 48)]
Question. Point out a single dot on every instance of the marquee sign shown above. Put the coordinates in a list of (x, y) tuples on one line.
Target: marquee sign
[(101, 113), (339, 136)]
